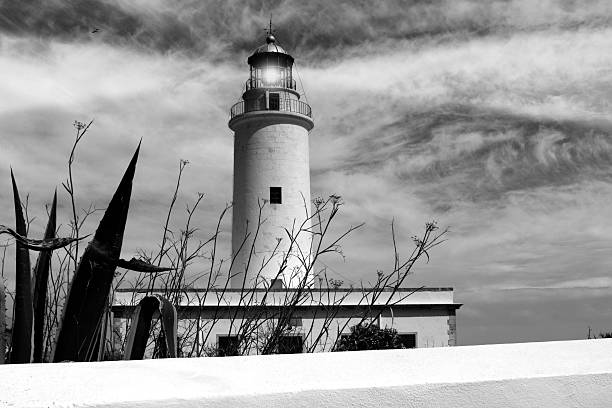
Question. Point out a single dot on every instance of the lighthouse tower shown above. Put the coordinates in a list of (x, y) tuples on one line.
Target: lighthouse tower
[(271, 174)]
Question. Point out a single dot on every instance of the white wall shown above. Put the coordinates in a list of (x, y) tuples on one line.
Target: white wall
[(270, 150), (553, 374), (431, 329)]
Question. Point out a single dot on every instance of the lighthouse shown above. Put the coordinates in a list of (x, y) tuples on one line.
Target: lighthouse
[(271, 242), (273, 303)]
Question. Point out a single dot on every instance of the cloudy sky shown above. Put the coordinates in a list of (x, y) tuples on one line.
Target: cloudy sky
[(491, 117)]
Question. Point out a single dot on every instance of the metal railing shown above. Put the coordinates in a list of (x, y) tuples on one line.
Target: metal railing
[(285, 105), (280, 83)]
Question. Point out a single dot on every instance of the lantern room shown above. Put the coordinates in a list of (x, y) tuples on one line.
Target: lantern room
[(271, 85), (271, 67)]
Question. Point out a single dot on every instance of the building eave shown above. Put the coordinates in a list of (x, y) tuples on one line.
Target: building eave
[(125, 311)]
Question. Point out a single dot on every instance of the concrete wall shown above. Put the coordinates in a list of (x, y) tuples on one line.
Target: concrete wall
[(553, 374)]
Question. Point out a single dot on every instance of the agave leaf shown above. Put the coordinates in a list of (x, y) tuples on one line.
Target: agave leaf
[(169, 323), (41, 276), (21, 337), (39, 244), (139, 265), (141, 325), (139, 329), (91, 284)]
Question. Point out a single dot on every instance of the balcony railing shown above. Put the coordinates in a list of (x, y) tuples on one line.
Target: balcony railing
[(280, 83), (285, 105)]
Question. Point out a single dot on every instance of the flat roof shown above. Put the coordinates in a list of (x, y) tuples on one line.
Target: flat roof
[(307, 297), (262, 290)]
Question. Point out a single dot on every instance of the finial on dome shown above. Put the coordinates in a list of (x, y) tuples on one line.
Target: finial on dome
[(270, 39), (271, 46)]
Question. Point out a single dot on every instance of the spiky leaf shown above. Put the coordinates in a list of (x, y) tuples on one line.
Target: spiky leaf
[(141, 326), (139, 265), (90, 288), (21, 337), (39, 244), (169, 324), (41, 276)]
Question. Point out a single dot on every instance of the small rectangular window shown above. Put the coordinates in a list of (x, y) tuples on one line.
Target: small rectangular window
[(408, 340), (276, 195), (290, 345), (274, 101), (227, 346), (276, 284)]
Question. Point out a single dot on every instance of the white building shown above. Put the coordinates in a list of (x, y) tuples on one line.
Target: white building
[(271, 283), (423, 317)]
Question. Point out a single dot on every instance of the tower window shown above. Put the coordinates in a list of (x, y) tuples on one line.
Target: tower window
[(274, 101), (276, 195)]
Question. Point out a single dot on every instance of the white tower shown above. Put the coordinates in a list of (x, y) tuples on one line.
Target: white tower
[(271, 173)]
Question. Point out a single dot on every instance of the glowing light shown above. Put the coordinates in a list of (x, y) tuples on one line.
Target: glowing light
[(271, 76)]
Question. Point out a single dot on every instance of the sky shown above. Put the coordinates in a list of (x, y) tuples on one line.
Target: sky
[(491, 117)]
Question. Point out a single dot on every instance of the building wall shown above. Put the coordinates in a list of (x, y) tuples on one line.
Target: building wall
[(427, 312), (270, 150), (431, 325)]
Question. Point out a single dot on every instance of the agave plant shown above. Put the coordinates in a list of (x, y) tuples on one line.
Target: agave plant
[(79, 334), (78, 338)]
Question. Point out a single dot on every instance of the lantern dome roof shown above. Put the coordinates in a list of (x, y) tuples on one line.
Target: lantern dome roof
[(270, 46), (268, 50)]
